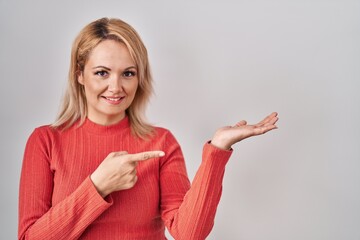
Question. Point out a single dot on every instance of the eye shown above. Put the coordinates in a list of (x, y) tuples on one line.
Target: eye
[(129, 74), (101, 73)]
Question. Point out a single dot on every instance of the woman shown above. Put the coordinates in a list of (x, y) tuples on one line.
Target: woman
[(100, 171)]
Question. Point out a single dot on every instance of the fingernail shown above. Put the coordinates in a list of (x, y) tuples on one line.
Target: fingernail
[(161, 154)]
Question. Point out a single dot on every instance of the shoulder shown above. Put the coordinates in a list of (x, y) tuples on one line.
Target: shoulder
[(46, 131), (40, 140), (47, 134), (41, 134), (46, 138), (161, 132), (165, 136)]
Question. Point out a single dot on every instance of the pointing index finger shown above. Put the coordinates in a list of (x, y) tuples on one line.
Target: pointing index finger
[(143, 156)]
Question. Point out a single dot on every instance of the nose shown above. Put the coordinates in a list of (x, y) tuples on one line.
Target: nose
[(115, 85)]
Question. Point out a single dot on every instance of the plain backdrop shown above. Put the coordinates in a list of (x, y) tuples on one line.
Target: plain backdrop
[(215, 63)]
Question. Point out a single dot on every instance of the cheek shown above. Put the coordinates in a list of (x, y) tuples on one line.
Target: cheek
[(135, 87), (89, 92), (131, 87), (94, 88)]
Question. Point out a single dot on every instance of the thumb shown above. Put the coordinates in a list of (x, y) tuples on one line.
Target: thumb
[(241, 123)]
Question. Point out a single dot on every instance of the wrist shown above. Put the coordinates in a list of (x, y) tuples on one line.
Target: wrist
[(99, 188), (220, 144)]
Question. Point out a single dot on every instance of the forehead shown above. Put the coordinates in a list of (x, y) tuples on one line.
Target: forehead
[(110, 53)]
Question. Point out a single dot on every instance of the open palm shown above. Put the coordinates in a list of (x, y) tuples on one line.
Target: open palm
[(225, 137)]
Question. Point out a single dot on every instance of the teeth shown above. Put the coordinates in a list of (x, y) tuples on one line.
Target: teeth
[(113, 99)]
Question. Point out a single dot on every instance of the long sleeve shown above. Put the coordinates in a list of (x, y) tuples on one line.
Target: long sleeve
[(57, 199), (38, 219), (192, 216)]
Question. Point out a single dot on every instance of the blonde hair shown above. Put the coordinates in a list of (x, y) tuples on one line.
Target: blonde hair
[(74, 105)]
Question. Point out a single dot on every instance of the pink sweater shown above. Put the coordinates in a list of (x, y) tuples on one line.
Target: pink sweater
[(59, 201)]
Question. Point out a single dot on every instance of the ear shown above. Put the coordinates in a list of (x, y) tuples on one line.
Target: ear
[(80, 77)]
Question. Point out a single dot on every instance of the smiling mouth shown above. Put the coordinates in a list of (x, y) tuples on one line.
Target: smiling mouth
[(113, 100)]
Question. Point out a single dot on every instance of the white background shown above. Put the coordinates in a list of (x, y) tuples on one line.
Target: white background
[(214, 63)]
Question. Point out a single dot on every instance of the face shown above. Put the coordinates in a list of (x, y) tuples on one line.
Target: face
[(110, 81)]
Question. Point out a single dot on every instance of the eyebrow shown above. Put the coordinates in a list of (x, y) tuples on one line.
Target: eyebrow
[(101, 67), (110, 68)]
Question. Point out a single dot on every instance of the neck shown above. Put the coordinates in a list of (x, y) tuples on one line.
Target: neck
[(108, 120)]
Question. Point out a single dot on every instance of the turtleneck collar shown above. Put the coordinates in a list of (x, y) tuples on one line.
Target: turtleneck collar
[(92, 127)]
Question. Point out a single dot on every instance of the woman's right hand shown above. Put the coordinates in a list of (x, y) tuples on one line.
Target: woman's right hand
[(118, 171)]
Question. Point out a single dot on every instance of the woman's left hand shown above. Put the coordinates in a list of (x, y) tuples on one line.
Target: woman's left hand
[(225, 137)]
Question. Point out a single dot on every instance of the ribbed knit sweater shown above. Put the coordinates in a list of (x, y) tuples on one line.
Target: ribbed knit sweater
[(57, 199)]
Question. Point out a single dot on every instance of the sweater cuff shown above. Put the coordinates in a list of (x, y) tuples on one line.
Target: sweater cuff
[(216, 155), (97, 199), (209, 142)]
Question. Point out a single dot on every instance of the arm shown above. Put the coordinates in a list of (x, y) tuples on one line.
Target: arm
[(189, 212), (38, 219), (192, 216)]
